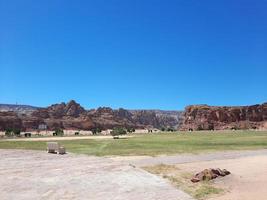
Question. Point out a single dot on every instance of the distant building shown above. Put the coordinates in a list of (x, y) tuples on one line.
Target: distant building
[(42, 127)]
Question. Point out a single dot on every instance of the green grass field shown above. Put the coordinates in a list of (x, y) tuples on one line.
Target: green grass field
[(156, 144)]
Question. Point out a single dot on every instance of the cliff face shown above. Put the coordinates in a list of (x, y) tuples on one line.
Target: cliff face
[(9, 119), (73, 116), (66, 116), (107, 118), (204, 117)]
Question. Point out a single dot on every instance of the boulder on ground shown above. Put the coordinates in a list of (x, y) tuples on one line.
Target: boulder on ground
[(209, 174)]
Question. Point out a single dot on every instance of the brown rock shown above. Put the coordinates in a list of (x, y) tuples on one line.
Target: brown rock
[(209, 174), (204, 117), (72, 116)]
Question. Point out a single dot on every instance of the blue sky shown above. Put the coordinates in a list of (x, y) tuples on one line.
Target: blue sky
[(133, 54)]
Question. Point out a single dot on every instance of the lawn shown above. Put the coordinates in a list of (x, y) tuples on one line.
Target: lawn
[(156, 144)]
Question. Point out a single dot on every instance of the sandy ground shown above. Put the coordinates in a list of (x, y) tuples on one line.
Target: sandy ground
[(39, 175), (247, 181), (64, 138), (248, 169), (34, 175)]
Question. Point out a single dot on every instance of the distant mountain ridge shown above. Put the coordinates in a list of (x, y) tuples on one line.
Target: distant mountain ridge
[(72, 115), (21, 109)]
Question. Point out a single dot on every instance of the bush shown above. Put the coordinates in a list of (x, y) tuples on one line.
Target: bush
[(170, 129), (16, 132), (211, 127), (8, 132), (200, 128), (12, 132), (130, 130), (27, 134), (118, 131), (96, 130), (162, 129), (58, 132)]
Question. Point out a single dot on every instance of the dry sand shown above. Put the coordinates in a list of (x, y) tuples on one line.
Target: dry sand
[(33, 175), (249, 170), (39, 175), (248, 179)]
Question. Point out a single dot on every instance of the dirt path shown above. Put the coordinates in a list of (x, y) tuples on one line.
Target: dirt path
[(187, 158), (39, 175)]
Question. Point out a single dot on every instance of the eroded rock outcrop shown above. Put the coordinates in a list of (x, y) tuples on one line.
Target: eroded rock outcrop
[(204, 117), (9, 120), (72, 115)]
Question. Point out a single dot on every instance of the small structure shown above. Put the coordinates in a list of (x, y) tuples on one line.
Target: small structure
[(61, 150), (42, 127), (54, 147)]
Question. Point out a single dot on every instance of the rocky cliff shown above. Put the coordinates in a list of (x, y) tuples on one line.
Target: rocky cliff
[(72, 115), (204, 117)]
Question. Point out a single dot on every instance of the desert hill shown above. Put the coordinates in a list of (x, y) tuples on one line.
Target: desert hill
[(72, 115)]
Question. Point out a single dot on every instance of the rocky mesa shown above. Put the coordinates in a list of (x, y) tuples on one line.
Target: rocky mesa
[(204, 117)]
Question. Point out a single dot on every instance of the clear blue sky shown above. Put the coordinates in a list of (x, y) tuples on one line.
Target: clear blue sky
[(134, 54)]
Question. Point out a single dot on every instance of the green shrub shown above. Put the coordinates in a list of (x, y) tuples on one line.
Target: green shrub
[(8, 132), (16, 132), (118, 131), (170, 129), (96, 130), (130, 130), (12, 132), (58, 132)]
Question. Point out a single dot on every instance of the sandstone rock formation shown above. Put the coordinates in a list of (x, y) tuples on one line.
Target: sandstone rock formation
[(204, 117), (73, 116), (9, 119)]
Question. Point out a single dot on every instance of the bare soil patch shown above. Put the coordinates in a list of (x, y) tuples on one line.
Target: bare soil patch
[(247, 181), (34, 175)]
